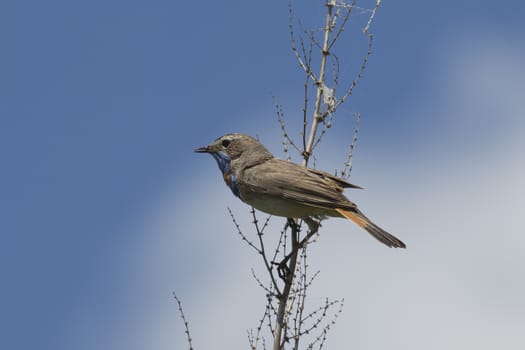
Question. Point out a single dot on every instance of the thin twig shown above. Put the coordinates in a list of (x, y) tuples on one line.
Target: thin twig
[(347, 170), (186, 328), (342, 25), (243, 237), (254, 339), (302, 64), (286, 136), (371, 18), (335, 65), (327, 124), (322, 337), (301, 302), (280, 243), (305, 107), (363, 64), (267, 264), (261, 284)]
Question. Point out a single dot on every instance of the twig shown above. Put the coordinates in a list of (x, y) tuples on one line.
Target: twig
[(302, 64), (327, 124), (322, 337), (364, 63), (254, 339), (262, 251), (261, 284), (286, 136), (371, 18), (301, 300), (243, 237), (342, 26), (318, 116), (186, 328), (348, 164), (305, 107)]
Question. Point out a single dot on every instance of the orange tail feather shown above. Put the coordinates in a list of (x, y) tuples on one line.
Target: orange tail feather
[(377, 232)]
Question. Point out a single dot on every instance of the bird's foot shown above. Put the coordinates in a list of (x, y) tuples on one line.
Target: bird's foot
[(282, 270)]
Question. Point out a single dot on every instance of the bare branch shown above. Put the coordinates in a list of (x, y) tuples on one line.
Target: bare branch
[(243, 237), (253, 339), (318, 116), (362, 68), (335, 65), (282, 243), (302, 64), (267, 264), (286, 136), (311, 36), (327, 124), (348, 164), (186, 328), (281, 324), (322, 337), (261, 284), (302, 286), (342, 25), (371, 18), (359, 73), (305, 107)]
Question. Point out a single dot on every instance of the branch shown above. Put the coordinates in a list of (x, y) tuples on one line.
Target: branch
[(283, 298), (348, 164), (320, 83), (371, 18), (322, 337), (362, 68), (359, 73), (342, 26), (286, 136), (302, 64), (243, 237), (267, 264), (187, 330)]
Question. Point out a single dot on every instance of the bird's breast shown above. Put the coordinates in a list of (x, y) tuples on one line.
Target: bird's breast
[(231, 182), (227, 178)]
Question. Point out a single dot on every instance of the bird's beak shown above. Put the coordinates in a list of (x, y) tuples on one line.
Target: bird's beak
[(203, 150)]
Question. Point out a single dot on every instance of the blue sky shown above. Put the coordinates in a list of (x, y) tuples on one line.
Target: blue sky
[(106, 210)]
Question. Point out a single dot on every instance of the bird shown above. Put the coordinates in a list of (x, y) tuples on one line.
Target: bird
[(283, 188)]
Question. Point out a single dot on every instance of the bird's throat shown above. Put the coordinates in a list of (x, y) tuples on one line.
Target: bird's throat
[(224, 161)]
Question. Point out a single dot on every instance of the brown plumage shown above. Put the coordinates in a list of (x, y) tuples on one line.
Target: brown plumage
[(283, 188)]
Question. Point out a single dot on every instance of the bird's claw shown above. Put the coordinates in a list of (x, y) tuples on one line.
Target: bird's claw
[(283, 270)]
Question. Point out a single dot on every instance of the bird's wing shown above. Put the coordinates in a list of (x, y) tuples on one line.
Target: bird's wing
[(340, 181), (287, 180)]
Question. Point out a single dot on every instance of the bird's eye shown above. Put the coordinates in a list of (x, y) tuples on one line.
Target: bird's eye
[(226, 143)]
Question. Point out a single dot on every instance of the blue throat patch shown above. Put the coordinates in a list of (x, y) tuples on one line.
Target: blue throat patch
[(223, 161)]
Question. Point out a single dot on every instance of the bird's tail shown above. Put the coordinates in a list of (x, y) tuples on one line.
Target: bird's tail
[(376, 231)]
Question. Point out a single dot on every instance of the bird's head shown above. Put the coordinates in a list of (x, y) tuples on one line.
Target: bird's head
[(238, 148)]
